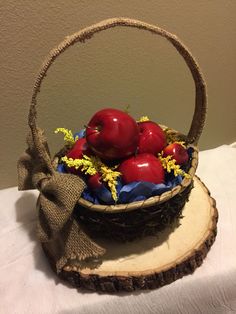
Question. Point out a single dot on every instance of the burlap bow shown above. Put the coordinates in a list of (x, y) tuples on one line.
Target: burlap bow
[(58, 196)]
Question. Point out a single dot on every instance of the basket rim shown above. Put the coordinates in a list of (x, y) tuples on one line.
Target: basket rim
[(151, 201)]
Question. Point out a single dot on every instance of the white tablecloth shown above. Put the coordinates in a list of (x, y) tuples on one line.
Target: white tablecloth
[(27, 284)]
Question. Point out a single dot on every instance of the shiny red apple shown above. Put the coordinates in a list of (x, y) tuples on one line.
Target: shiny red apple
[(142, 167), (112, 134), (94, 182), (79, 149), (99, 189), (178, 152), (152, 138)]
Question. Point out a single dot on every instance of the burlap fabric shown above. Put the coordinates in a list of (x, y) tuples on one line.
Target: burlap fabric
[(60, 192), (58, 196)]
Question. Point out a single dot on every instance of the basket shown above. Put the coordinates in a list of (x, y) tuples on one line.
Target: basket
[(126, 222), (63, 191)]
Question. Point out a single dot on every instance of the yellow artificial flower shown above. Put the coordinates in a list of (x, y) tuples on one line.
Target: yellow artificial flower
[(110, 176), (92, 165), (68, 136), (169, 164), (143, 119)]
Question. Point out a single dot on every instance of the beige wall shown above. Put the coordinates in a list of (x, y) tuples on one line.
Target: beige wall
[(116, 68)]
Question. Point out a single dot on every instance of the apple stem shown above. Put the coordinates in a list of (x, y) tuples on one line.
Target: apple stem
[(90, 127)]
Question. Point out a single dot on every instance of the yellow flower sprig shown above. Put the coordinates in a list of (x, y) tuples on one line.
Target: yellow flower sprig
[(169, 164), (92, 165), (110, 176), (182, 143), (68, 136), (143, 119), (86, 164)]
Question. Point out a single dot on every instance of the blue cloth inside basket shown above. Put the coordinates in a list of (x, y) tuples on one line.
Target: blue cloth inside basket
[(80, 134), (132, 192)]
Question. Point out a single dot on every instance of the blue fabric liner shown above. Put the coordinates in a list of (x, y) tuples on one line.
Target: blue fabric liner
[(61, 168), (190, 150), (135, 191), (80, 134)]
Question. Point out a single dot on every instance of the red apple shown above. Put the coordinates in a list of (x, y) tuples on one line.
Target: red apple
[(178, 152), (152, 138), (142, 167), (100, 189), (79, 149), (94, 182), (112, 134)]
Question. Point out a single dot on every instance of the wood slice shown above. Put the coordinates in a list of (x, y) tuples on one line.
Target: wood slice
[(153, 261)]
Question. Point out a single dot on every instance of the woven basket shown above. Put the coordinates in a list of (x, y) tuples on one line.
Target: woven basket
[(129, 221)]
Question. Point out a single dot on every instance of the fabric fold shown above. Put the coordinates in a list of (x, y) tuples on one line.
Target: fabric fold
[(59, 193)]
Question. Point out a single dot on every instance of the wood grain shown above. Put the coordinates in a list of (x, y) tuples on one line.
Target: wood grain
[(153, 261)]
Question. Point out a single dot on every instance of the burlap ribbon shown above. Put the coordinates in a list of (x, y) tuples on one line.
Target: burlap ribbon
[(58, 196)]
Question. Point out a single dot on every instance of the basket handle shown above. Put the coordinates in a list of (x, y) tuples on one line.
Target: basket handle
[(86, 33)]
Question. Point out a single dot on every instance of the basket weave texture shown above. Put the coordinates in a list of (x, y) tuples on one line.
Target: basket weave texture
[(60, 194)]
